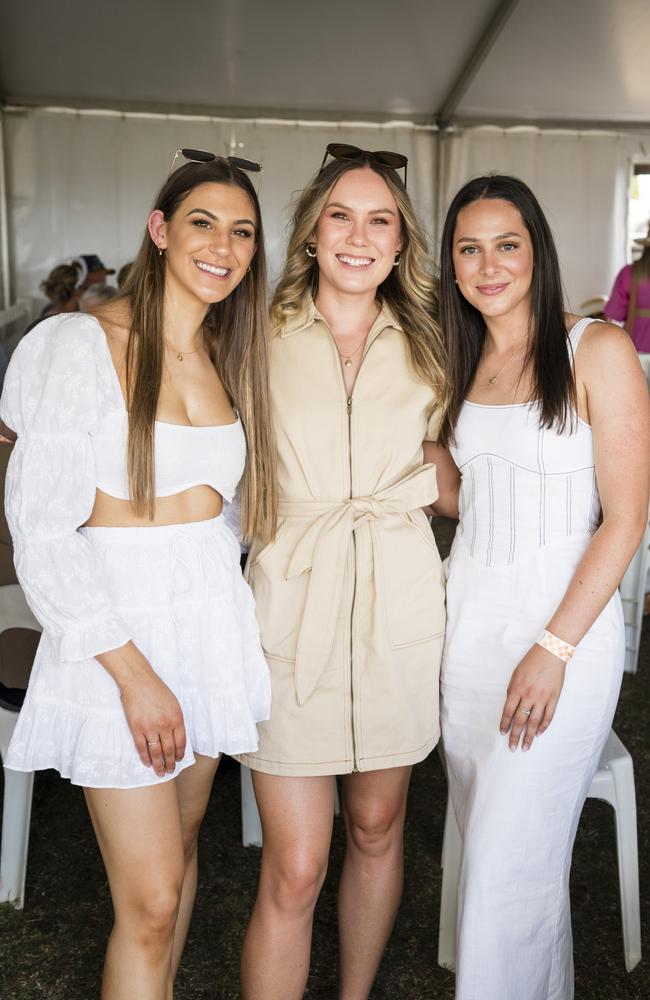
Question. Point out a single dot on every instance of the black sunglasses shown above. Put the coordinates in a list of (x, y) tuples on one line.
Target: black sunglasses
[(202, 156), (342, 151)]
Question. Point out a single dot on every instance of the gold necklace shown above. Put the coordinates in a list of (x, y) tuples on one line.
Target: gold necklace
[(347, 358), (493, 378), (179, 354)]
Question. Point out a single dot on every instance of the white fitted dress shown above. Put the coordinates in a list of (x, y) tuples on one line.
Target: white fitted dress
[(529, 506), (176, 591)]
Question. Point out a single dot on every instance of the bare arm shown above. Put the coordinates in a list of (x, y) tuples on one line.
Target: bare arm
[(448, 478), (619, 413), (152, 710), (6, 434)]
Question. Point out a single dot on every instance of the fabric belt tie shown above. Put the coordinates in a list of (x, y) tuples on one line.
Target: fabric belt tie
[(323, 551)]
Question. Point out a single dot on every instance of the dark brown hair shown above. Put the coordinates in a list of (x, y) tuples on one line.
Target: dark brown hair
[(60, 286), (237, 335), (553, 384)]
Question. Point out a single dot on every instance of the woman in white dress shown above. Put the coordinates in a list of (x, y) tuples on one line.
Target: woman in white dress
[(550, 429), (132, 432)]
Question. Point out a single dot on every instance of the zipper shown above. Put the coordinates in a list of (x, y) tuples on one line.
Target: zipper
[(354, 592), (348, 401)]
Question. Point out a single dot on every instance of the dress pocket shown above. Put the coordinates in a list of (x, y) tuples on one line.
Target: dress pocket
[(279, 602), (411, 580)]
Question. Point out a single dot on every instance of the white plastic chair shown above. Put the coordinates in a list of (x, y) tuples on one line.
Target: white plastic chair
[(17, 805), (633, 590), (645, 364), (250, 817), (613, 783)]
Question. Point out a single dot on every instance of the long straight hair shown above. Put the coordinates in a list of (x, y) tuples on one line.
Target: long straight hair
[(236, 331), (641, 266), (552, 384), (410, 290)]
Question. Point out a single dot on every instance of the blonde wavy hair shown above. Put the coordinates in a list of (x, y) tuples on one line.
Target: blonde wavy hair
[(410, 290), (236, 332)]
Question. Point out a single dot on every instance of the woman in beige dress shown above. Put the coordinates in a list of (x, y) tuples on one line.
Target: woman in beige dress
[(349, 595)]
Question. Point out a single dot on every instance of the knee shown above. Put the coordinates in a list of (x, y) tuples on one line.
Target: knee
[(295, 882), (376, 831), (153, 916)]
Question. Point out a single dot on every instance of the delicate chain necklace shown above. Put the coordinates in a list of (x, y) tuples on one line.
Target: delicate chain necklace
[(493, 378), (180, 355), (347, 358)]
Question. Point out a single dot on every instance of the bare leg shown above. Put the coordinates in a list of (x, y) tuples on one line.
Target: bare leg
[(193, 787), (297, 828), (139, 834), (374, 807)]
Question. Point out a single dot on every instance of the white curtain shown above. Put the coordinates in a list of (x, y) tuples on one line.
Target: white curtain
[(84, 183), (581, 180)]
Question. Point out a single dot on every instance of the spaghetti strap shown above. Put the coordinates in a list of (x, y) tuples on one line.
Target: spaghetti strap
[(576, 331)]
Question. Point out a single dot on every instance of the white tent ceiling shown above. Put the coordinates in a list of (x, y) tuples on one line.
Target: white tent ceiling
[(544, 60)]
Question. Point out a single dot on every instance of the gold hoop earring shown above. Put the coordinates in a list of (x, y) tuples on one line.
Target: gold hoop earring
[(248, 269), (398, 257), (310, 250), (160, 251)]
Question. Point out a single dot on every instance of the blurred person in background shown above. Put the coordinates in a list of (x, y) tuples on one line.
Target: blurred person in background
[(96, 296), (629, 303)]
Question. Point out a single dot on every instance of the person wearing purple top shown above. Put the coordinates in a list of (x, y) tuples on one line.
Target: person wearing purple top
[(629, 302)]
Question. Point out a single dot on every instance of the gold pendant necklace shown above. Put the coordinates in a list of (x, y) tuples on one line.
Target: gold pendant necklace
[(180, 355), (347, 358), (493, 378)]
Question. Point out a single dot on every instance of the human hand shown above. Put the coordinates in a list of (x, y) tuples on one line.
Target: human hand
[(155, 720), (533, 694)]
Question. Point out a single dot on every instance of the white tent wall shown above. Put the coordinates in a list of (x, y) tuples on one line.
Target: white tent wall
[(84, 182), (581, 179)]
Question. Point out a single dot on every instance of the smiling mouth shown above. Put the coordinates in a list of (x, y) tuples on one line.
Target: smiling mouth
[(345, 258), (492, 289), (217, 272)]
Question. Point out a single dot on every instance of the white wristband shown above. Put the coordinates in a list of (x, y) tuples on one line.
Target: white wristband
[(560, 648)]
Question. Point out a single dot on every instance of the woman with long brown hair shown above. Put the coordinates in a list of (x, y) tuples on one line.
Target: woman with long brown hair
[(549, 424), (350, 596), (132, 432)]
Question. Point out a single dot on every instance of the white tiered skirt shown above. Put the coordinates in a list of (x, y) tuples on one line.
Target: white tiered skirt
[(180, 590)]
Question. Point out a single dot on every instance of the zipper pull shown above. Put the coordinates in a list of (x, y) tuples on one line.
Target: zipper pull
[(349, 402)]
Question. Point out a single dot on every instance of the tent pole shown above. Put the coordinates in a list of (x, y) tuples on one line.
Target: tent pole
[(488, 37), (5, 294), (440, 164)]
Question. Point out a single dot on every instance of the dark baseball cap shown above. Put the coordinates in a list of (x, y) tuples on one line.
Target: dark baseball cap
[(94, 264)]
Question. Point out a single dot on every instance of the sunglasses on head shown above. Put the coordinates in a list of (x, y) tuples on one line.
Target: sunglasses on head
[(202, 156), (343, 151)]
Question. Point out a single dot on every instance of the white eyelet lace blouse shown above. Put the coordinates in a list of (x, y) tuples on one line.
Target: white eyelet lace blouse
[(63, 399)]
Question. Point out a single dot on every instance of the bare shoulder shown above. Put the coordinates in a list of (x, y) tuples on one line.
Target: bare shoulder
[(115, 320), (605, 343)]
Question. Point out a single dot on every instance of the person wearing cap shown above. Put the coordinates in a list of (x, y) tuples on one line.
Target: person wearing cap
[(629, 302), (92, 270)]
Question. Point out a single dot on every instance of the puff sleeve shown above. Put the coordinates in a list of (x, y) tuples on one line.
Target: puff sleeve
[(51, 399)]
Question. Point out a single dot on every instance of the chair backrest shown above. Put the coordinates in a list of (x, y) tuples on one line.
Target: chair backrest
[(7, 571), (645, 364)]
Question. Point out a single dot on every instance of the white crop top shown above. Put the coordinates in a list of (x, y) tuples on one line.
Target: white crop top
[(185, 456)]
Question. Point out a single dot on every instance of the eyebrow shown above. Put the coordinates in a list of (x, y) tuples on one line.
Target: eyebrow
[(373, 211), (237, 222), (477, 239)]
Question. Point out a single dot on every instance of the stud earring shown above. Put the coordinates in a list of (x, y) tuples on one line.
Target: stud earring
[(310, 250), (398, 257)]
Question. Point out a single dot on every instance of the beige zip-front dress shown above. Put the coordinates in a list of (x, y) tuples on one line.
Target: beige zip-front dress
[(350, 595)]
